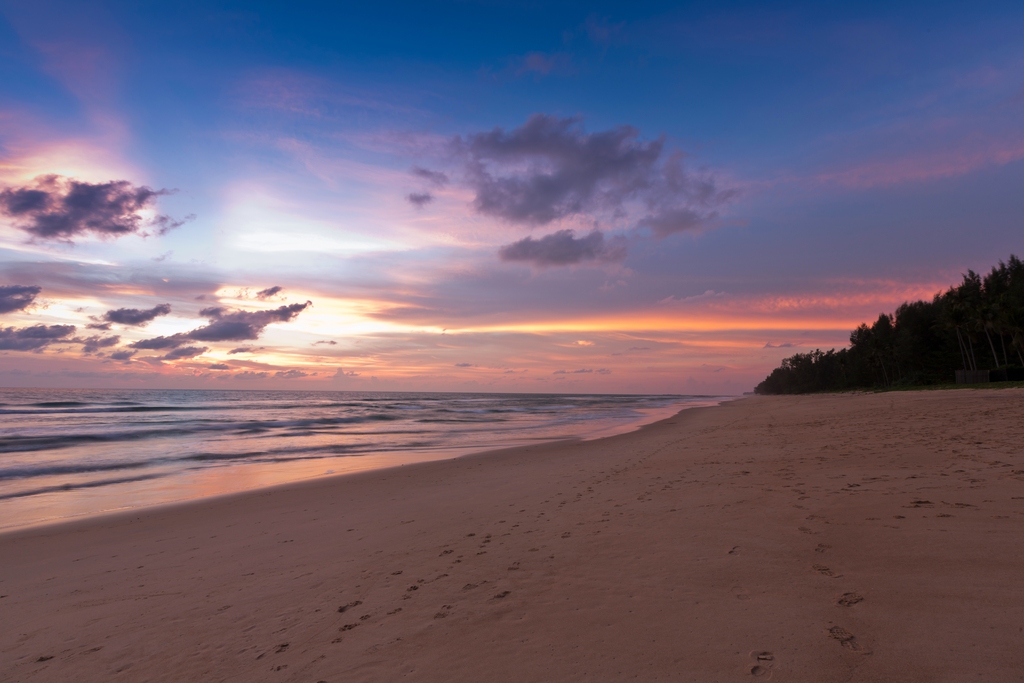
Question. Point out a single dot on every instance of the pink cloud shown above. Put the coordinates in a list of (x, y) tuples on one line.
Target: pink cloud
[(969, 156)]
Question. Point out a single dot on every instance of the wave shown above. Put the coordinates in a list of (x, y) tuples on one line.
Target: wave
[(60, 441), (75, 487), (21, 444)]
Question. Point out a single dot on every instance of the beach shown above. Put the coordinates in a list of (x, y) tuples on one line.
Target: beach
[(839, 537)]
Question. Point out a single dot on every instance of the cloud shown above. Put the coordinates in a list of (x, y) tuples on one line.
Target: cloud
[(543, 64), (419, 199), (243, 349), (158, 343), (550, 168), (226, 325), (464, 365), (249, 374), (17, 297), (34, 337), (673, 221), (220, 366), (95, 343), (124, 354), (135, 317), (327, 342), (708, 294), (435, 178), (290, 374), (341, 372), (787, 345), (59, 208), (564, 248), (602, 32), (264, 294), (185, 352)]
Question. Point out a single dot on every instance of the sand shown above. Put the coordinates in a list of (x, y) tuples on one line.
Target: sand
[(873, 537)]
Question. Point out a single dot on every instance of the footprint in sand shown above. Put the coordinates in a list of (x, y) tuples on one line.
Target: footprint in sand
[(846, 639), (849, 599), (762, 664), (825, 571), (345, 608), (740, 593)]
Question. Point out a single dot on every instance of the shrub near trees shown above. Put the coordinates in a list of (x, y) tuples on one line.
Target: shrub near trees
[(976, 325)]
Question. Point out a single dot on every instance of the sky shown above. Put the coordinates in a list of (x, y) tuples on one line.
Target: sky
[(493, 196)]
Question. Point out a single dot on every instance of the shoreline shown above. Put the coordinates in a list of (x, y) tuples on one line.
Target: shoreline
[(831, 538), (57, 505), (88, 519)]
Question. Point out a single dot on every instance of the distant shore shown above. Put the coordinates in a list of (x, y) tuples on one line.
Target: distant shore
[(827, 537)]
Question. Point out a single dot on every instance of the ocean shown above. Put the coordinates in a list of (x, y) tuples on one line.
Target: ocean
[(72, 453)]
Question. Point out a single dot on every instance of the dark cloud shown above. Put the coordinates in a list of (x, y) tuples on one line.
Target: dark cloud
[(17, 297), (550, 168), (435, 178), (328, 342), (185, 352), (583, 371), (220, 366), (786, 345), (464, 365), (122, 355), (676, 220), (94, 344), (226, 325), (59, 208), (164, 224), (269, 292), (158, 343), (290, 374), (243, 349), (564, 248), (249, 374), (135, 317), (105, 327), (34, 337), (419, 199)]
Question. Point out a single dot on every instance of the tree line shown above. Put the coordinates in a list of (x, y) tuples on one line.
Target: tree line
[(975, 325)]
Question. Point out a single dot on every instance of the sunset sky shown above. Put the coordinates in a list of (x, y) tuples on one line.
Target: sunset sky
[(489, 196)]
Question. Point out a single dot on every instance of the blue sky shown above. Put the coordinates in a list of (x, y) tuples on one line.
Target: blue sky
[(497, 196)]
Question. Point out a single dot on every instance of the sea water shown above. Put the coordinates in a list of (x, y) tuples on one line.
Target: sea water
[(69, 453)]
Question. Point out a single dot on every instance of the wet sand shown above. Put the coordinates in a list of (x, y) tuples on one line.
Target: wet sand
[(873, 537)]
